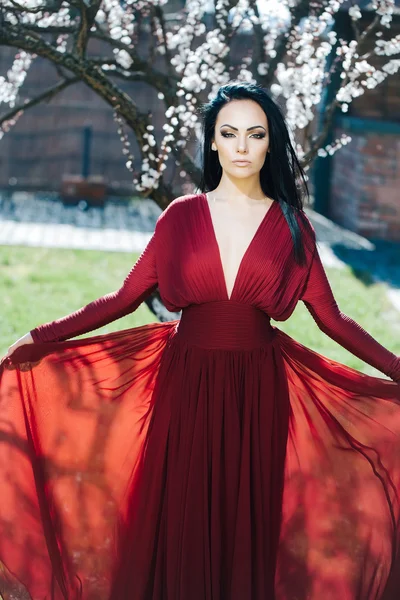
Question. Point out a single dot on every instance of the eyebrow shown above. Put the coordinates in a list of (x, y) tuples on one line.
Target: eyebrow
[(236, 129)]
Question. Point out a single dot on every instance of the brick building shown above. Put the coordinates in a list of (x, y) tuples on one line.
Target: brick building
[(358, 187)]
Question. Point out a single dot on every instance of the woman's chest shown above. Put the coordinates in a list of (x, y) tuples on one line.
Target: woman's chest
[(197, 263), (233, 232)]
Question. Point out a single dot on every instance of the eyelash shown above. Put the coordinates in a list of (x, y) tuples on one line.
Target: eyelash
[(260, 135)]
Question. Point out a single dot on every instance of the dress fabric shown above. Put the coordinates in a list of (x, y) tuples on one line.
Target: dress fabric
[(208, 458)]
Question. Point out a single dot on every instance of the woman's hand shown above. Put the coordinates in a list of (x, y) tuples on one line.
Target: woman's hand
[(26, 339)]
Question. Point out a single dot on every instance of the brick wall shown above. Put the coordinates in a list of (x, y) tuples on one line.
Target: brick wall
[(366, 180)]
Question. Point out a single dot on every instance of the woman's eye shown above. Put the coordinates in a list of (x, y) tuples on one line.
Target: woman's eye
[(259, 135)]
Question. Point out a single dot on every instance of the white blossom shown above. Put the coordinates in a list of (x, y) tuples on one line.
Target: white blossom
[(355, 12), (10, 85), (384, 8), (392, 66), (388, 47)]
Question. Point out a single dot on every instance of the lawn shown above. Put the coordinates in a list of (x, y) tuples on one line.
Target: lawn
[(41, 284)]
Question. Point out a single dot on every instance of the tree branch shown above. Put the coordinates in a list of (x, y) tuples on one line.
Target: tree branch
[(100, 34), (32, 27), (49, 7), (88, 15), (90, 74), (158, 80), (168, 57), (44, 96), (330, 111), (300, 11)]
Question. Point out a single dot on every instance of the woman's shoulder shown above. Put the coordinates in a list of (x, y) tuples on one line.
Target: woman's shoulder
[(178, 206)]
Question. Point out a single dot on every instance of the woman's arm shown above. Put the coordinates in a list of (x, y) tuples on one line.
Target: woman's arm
[(319, 300), (139, 283)]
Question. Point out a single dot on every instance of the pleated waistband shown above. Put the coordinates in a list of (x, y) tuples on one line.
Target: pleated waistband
[(225, 324)]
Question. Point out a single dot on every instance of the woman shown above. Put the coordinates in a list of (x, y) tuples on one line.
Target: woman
[(213, 457)]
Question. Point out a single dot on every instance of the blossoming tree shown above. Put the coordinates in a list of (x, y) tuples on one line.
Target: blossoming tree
[(291, 41)]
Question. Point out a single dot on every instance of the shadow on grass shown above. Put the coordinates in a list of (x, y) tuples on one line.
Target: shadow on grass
[(370, 266)]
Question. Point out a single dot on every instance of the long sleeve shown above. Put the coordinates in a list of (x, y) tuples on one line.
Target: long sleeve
[(139, 283), (320, 302)]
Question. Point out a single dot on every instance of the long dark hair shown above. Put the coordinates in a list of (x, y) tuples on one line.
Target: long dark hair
[(281, 177)]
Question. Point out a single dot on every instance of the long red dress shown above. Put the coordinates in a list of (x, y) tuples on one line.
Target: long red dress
[(208, 458)]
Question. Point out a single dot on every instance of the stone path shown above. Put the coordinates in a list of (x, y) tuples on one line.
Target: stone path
[(43, 221), (70, 236), (28, 220)]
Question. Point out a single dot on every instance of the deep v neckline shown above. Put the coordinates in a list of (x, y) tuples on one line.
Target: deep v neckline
[(246, 252)]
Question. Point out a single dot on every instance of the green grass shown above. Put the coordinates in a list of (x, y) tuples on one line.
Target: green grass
[(41, 284)]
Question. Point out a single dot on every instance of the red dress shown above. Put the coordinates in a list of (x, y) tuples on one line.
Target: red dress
[(210, 458)]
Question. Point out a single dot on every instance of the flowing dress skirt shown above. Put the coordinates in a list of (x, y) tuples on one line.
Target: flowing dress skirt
[(211, 458)]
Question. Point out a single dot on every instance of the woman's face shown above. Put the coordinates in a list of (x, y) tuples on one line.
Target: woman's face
[(241, 132)]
